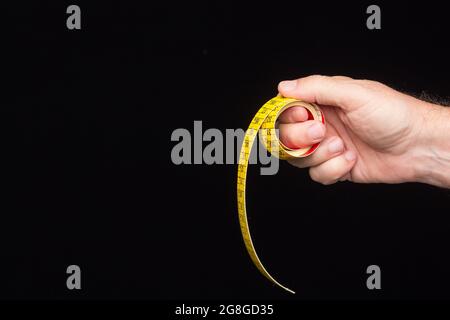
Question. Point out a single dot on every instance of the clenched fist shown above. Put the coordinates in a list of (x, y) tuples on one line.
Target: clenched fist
[(373, 134)]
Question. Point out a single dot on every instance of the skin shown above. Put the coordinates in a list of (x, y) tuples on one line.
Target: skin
[(373, 134)]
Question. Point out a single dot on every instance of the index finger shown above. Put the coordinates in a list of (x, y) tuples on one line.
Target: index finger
[(340, 92)]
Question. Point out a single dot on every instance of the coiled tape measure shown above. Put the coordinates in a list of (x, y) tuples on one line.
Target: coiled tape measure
[(264, 123)]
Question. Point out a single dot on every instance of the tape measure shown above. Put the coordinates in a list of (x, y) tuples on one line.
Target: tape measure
[(264, 123)]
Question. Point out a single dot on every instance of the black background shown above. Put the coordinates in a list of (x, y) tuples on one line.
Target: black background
[(87, 176)]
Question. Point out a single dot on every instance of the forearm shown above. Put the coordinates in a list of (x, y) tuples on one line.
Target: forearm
[(433, 150)]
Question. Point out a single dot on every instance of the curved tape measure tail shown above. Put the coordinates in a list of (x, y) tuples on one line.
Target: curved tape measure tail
[(264, 123)]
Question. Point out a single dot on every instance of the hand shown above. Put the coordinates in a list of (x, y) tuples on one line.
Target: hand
[(373, 133)]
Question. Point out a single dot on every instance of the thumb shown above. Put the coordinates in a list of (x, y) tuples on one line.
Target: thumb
[(341, 92)]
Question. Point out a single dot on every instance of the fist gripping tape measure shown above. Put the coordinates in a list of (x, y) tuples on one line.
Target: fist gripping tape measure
[(264, 123)]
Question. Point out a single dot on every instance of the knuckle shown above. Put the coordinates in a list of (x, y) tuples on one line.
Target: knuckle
[(327, 175), (316, 176), (335, 172), (287, 136), (317, 78), (314, 79), (370, 84), (342, 78)]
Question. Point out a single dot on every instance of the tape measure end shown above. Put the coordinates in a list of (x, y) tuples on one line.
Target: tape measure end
[(289, 290)]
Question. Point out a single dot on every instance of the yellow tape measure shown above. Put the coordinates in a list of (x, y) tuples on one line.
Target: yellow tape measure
[(264, 123)]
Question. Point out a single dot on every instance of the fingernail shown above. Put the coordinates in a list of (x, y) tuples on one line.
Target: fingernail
[(316, 131), (336, 146), (288, 85), (350, 155)]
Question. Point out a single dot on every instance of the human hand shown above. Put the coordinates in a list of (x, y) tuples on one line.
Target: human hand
[(373, 134)]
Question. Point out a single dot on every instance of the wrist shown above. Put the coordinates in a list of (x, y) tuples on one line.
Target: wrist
[(432, 151)]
